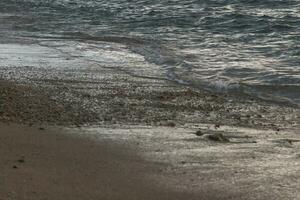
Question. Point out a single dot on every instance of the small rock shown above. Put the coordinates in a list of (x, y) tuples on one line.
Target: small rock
[(217, 126), (86, 95), (41, 128), (21, 160), (15, 167), (199, 133), (218, 137), (168, 123)]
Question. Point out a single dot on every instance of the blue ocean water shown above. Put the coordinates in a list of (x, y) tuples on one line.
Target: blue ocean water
[(239, 46)]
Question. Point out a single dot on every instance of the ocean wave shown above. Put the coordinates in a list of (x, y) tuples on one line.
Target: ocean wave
[(205, 43)]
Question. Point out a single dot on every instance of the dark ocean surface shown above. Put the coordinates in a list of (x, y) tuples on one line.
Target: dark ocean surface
[(238, 46)]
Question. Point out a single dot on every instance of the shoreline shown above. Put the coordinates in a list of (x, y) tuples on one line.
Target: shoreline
[(195, 142)]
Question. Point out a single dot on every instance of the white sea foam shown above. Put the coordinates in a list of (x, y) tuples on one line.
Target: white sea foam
[(223, 86)]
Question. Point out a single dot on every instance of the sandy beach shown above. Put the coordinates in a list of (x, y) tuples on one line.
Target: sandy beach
[(46, 164), (100, 132)]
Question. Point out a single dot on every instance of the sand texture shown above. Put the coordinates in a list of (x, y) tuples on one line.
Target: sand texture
[(74, 128)]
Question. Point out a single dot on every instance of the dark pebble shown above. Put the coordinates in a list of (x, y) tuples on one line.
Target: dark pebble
[(199, 133), (218, 137), (217, 126), (171, 124)]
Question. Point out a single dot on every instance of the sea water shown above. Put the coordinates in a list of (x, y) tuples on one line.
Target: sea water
[(246, 47)]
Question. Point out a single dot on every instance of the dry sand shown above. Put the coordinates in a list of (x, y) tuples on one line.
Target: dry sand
[(146, 163), (46, 164)]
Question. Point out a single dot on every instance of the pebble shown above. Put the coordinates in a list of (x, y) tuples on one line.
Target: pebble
[(218, 137)]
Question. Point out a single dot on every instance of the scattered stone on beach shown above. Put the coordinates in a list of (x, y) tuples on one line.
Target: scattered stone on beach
[(41, 128), (199, 133), (122, 100), (259, 116), (21, 160), (286, 141), (168, 123), (217, 137), (15, 167), (171, 124)]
